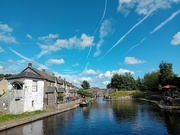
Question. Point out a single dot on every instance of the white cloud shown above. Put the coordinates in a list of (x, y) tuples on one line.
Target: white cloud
[(176, 39), (106, 82), (5, 28), (5, 34), (86, 41), (89, 79), (48, 38), (89, 71), (133, 60), (29, 36), (1, 50), (105, 30), (74, 42), (144, 6), (1, 67), (75, 65), (125, 6), (55, 61), (109, 74)]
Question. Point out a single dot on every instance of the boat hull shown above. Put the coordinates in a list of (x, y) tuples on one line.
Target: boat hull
[(83, 104)]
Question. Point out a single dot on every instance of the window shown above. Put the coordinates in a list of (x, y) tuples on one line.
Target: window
[(34, 86), (17, 85)]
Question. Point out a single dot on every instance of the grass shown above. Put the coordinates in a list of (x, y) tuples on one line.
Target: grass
[(125, 93), (8, 117)]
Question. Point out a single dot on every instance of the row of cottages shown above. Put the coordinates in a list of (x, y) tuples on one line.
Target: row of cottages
[(34, 89)]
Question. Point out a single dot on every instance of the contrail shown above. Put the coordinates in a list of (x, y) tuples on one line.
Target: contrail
[(105, 6), (137, 24), (166, 21), (104, 12), (21, 55), (156, 29), (28, 59), (136, 44)]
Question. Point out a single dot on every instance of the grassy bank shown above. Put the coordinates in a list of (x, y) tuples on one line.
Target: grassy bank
[(8, 117), (126, 93)]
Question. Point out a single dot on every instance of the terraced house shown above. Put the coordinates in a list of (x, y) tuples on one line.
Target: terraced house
[(34, 89)]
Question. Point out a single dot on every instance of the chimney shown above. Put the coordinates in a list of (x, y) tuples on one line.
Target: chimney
[(52, 74), (43, 70), (60, 77), (29, 64)]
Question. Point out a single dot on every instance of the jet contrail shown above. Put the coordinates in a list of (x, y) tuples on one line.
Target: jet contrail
[(137, 24), (136, 44), (104, 12), (28, 59), (156, 29), (166, 21)]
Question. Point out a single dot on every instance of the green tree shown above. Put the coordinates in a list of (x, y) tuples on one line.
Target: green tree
[(108, 85), (150, 82), (123, 82), (139, 84), (85, 85), (5, 75), (166, 75)]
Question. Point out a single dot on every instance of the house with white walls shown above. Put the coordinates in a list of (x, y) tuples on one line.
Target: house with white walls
[(34, 89), (25, 92)]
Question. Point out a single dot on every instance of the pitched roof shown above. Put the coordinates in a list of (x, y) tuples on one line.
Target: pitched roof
[(43, 74), (25, 75)]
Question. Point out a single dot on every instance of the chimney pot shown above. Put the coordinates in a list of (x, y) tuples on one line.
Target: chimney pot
[(29, 64)]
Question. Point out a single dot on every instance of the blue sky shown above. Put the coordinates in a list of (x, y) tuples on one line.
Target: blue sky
[(89, 39)]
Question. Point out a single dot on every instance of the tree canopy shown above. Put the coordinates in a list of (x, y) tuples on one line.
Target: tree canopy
[(85, 85), (152, 81), (123, 82)]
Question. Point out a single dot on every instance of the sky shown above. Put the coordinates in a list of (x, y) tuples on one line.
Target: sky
[(89, 39)]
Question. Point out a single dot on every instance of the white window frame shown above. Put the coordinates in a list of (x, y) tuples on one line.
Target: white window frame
[(35, 86)]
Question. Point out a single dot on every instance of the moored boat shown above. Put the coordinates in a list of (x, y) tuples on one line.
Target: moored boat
[(84, 103)]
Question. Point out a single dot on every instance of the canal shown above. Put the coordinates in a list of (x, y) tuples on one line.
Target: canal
[(105, 118)]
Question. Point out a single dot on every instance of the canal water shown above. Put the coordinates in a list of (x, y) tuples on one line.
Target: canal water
[(106, 118)]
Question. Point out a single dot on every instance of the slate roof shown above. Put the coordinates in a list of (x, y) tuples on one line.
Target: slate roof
[(43, 74), (25, 75)]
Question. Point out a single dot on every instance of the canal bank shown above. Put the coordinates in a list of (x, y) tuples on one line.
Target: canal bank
[(158, 103), (161, 105), (20, 121)]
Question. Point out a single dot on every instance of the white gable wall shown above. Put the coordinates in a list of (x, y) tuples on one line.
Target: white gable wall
[(33, 100)]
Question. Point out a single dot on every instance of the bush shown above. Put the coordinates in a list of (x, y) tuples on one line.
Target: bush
[(85, 93)]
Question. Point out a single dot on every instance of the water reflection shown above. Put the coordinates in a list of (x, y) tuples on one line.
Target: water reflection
[(36, 128), (104, 118), (57, 123)]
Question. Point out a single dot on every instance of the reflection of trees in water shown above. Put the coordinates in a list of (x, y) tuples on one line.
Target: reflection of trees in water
[(57, 123), (127, 111), (171, 120), (124, 110)]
